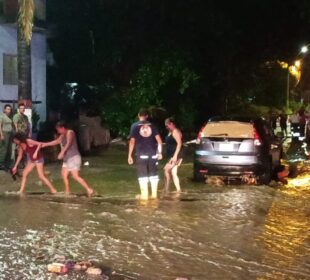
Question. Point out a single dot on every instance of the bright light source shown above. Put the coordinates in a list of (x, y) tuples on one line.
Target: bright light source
[(298, 63), (283, 64), (304, 49)]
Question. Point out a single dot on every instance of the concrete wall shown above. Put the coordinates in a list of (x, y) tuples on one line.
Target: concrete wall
[(38, 72), (8, 45)]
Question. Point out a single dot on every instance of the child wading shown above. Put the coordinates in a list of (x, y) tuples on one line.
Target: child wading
[(34, 159)]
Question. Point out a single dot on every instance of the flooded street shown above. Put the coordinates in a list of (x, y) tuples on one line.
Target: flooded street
[(241, 232)]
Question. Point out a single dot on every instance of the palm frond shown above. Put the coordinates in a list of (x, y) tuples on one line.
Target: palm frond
[(25, 19)]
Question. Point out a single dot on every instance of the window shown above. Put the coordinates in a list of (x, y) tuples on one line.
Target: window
[(10, 69)]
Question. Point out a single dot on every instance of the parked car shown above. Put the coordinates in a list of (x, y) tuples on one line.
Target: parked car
[(237, 147)]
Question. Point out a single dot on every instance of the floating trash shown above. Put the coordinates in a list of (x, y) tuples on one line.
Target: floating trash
[(57, 268), (64, 267)]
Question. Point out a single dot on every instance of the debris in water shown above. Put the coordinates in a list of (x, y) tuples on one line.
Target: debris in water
[(59, 258), (57, 268), (63, 267), (215, 181), (83, 265), (249, 180), (94, 271)]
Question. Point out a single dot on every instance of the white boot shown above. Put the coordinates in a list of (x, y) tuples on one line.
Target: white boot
[(154, 185), (144, 188)]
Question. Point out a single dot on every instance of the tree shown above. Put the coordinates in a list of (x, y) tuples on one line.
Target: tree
[(24, 34), (162, 78)]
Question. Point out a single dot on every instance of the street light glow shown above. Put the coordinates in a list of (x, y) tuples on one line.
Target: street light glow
[(304, 49)]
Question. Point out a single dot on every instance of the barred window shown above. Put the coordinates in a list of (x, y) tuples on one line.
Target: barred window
[(10, 69)]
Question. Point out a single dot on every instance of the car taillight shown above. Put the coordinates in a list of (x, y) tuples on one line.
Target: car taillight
[(257, 140), (199, 135)]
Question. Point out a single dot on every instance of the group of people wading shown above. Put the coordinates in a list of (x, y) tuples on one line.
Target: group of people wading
[(69, 154), (15, 136), (145, 141)]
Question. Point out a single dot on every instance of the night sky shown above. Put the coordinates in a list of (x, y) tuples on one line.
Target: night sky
[(226, 43)]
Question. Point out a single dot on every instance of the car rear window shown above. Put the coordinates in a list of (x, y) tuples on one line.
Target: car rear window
[(230, 129)]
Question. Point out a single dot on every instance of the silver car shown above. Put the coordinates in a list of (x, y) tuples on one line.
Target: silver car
[(235, 147)]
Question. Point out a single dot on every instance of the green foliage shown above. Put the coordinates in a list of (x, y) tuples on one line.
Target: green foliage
[(295, 106), (148, 89), (155, 74), (187, 115), (118, 113)]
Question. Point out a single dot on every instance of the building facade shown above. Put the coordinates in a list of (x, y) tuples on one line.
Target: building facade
[(8, 56)]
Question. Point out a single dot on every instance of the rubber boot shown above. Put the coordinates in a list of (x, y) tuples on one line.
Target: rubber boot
[(154, 185), (144, 189)]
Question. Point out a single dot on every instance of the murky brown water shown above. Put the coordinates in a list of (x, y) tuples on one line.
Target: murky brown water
[(243, 232)]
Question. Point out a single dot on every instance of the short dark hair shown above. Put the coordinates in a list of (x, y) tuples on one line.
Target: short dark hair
[(61, 124), (22, 137), (7, 105), (21, 104), (170, 120), (143, 112)]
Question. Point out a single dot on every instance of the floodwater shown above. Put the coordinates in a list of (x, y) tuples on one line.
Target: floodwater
[(231, 232)]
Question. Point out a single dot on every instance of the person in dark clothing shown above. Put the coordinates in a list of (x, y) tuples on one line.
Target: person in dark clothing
[(174, 154), (273, 120), (283, 124), (302, 123), (280, 174), (295, 124), (6, 133), (146, 141)]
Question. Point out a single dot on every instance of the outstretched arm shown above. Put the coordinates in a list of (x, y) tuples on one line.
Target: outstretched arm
[(33, 142), (52, 143)]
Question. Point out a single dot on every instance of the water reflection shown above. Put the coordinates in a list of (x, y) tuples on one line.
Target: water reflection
[(285, 238), (244, 232)]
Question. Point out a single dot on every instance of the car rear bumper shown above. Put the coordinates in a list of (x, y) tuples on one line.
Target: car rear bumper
[(228, 170)]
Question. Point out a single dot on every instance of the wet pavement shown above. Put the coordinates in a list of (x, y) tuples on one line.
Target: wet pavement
[(209, 232), (232, 232)]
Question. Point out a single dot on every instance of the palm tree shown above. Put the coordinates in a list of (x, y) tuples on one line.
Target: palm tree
[(24, 34)]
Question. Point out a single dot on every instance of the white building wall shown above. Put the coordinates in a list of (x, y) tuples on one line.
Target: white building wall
[(8, 45)]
